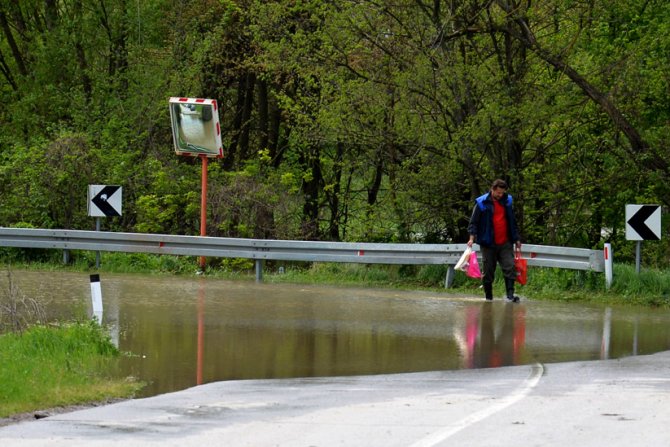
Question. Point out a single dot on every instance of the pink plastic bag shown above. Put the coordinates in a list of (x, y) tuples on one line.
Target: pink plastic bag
[(473, 267)]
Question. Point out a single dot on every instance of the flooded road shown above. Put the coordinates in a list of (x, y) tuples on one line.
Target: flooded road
[(180, 332)]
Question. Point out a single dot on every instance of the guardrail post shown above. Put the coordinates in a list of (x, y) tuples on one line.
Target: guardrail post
[(259, 270), (449, 279)]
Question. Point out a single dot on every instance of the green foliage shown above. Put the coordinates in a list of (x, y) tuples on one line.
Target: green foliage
[(49, 366), (340, 274), (136, 262), (341, 120), (650, 286)]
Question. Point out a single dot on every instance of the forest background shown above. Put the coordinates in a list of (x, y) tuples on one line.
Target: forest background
[(362, 120)]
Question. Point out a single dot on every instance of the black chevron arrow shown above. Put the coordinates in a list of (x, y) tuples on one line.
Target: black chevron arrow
[(638, 222), (100, 200)]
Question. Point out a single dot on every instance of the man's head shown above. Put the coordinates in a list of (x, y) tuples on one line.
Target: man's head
[(498, 189)]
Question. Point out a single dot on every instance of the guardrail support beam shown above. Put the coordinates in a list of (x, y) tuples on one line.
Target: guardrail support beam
[(259, 270), (449, 279)]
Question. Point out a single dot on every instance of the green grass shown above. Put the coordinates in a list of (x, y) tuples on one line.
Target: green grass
[(53, 366), (649, 288)]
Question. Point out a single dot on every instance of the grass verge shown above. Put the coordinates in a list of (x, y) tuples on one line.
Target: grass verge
[(650, 287), (53, 366)]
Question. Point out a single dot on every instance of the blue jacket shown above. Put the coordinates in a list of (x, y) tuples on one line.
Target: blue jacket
[(481, 222)]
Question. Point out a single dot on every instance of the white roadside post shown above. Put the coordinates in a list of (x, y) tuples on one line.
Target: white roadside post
[(608, 265), (96, 297)]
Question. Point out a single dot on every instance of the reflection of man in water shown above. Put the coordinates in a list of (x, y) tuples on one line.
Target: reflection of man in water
[(501, 347)]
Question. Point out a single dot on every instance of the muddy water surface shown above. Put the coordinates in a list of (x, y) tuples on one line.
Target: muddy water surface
[(180, 332)]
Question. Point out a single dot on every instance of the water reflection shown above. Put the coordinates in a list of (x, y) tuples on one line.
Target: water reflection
[(181, 332), (493, 336)]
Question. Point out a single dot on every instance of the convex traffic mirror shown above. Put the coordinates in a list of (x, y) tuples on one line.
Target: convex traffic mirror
[(195, 127)]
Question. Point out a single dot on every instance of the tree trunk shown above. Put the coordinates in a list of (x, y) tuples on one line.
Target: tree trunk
[(231, 153), (334, 195), (275, 141), (373, 189), (263, 115), (246, 116), (13, 46), (7, 72), (51, 14), (310, 189)]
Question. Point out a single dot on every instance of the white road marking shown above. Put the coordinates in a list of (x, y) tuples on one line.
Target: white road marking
[(521, 392)]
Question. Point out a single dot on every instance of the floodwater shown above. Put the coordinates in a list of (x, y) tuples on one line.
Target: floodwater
[(180, 332)]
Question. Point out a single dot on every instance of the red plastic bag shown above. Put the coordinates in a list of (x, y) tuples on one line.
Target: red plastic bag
[(521, 266), (473, 267)]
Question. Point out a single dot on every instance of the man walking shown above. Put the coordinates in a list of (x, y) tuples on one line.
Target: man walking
[(493, 227)]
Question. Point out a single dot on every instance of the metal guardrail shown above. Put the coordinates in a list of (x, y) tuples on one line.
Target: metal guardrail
[(279, 250)]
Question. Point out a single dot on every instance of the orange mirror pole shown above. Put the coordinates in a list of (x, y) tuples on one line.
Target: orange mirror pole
[(203, 205)]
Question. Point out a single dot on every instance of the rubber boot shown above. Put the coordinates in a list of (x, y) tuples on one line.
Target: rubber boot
[(488, 292), (509, 287)]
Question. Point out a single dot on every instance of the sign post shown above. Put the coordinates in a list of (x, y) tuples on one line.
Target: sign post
[(643, 223), (196, 132)]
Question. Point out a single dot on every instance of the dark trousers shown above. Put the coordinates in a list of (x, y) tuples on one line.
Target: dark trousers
[(497, 254)]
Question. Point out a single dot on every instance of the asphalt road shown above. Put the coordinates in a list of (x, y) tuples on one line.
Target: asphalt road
[(612, 402)]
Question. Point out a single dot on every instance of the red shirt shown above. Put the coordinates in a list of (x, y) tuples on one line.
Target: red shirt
[(499, 223)]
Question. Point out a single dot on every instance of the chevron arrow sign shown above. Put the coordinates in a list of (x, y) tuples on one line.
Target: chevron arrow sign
[(104, 200), (643, 222)]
